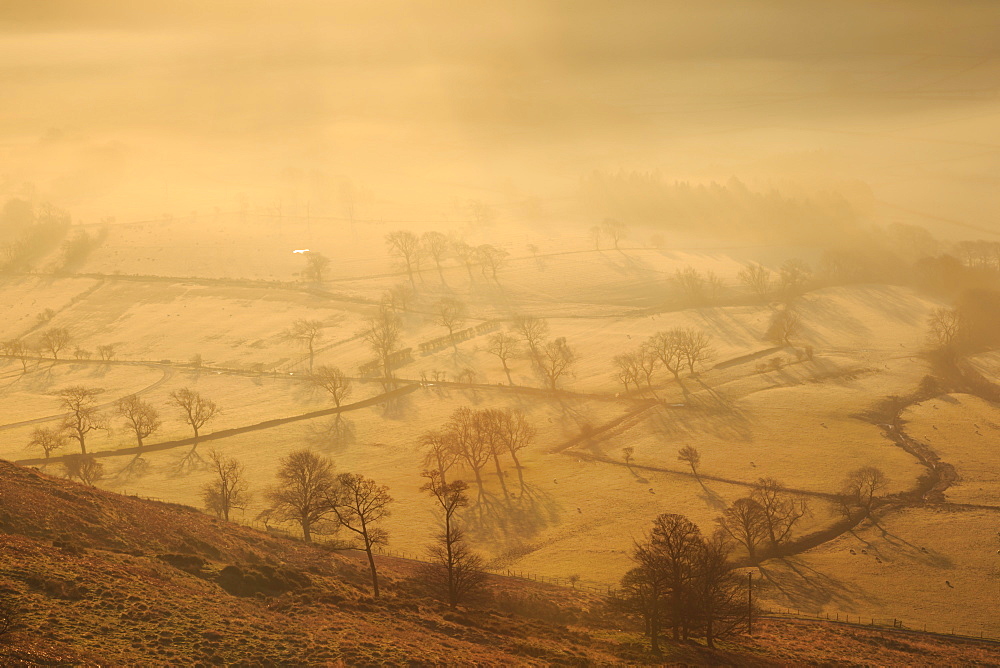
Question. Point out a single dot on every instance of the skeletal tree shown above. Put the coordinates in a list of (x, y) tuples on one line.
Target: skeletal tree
[(781, 510), (672, 548), (48, 440), (440, 454), (466, 254), (307, 332), (437, 246), (615, 229), (746, 522), (398, 297), (459, 569), (627, 368), (690, 455), (405, 245), (717, 589), (668, 346), (504, 347), (360, 503), (533, 330), (450, 313), (332, 380), (470, 432), (862, 487), (305, 484), (695, 347), (555, 360), (511, 430), (140, 417), (945, 325), (82, 417), (316, 266), (492, 258), (691, 283), (646, 361), (628, 453), (195, 409), (783, 326), (757, 279), (55, 339), (20, 350), (382, 336), (228, 489), (106, 351)]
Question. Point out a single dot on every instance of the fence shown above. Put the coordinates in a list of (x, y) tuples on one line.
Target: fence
[(989, 631)]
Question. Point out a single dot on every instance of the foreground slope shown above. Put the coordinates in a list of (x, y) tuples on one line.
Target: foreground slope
[(104, 579)]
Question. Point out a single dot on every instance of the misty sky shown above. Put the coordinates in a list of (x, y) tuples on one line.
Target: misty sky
[(132, 109)]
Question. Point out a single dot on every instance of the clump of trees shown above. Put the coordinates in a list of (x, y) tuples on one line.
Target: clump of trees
[(683, 582), (675, 350), (228, 489), (765, 518), (474, 438)]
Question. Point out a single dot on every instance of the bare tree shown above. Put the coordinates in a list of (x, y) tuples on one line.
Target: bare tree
[(441, 453), (20, 350), (140, 417), (695, 347), (334, 382), (307, 332), (533, 330), (783, 326), (450, 313), (945, 325), (228, 489), (196, 410), (512, 430), (781, 510), (84, 467), (492, 258), (382, 336), (646, 361), (48, 440), (717, 590), (691, 284), (305, 484), (359, 504), (466, 254), (55, 339), (669, 349), (628, 453), (398, 297), (746, 522), (757, 279), (627, 369), (555, 361), (83, 416), (470, 432), (107, 351), (462, 569), (437, 246), (316, 266), (505, 347), (863, 486), (690, 455), (405, 245), (615, 230), (672, 549)]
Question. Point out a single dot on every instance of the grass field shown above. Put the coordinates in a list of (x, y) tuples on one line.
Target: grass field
[(581, 506)]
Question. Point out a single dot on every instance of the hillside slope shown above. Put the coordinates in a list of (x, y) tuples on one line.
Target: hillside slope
[(104, 579)]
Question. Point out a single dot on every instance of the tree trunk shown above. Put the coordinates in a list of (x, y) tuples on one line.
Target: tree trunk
[(371, 566), (507, 371), (306, 531)]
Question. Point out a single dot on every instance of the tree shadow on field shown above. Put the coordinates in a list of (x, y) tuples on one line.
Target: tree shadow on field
[(711, 413), (512, 518), (332, 435), (802, 587), (896, 547), (711, 498), (136, 468), (189, 462), (396, 408)]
